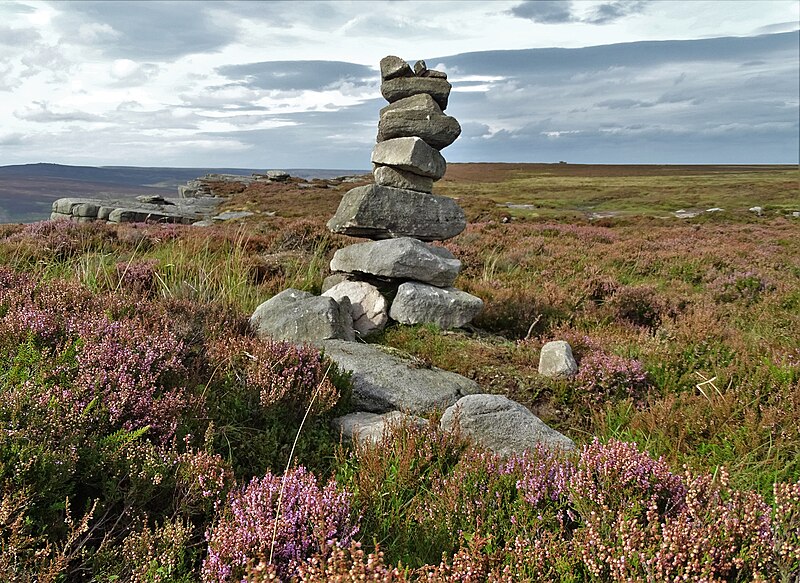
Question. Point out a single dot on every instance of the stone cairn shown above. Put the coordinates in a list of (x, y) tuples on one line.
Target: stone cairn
[(398, 274), (399, 267), (401, 215)]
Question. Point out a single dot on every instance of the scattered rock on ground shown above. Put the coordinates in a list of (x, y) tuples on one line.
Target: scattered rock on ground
[(367, 427), (757, 209), (418, 303), (299, 316), (404, 258), (385, 382), (368, 307), (556, 360), (502, 425)]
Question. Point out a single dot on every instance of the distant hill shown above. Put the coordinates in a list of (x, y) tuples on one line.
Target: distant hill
[(27, 191)]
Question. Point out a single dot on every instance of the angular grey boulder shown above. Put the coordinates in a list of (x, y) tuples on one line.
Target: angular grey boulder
[(404, 258), (368, 307), (402, 87), (392, 67), (411, 154), (298, 316), (381, 212), (418, 303), (420, 116), (396, 178), (556, 360), (502, 425), (384, 382), (365, 427)]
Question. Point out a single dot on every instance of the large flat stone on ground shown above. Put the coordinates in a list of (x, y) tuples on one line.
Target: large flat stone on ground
[(298, 316), (411, 154), (385, 382), (420, 116), (419, 303), (502, 425), (404, 259), (383, 212), (402, 87), (366, 427)]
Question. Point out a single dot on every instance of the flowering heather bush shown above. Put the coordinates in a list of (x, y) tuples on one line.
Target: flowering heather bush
[(279, 371), (134, 365), (745, 286), (137, 276), (608, 376), (60, 240), (640, 305), (309, 520)]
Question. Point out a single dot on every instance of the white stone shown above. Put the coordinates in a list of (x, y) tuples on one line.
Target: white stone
[(367, 305), (556, 360)]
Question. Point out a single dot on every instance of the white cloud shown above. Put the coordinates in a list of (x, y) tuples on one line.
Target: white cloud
[(160, 82)]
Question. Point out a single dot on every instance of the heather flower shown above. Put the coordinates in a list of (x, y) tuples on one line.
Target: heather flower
[(309, 520), (278, 371), (608, 376), (137, 276)]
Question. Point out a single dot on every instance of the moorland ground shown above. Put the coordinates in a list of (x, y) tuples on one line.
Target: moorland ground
[(686, 331)]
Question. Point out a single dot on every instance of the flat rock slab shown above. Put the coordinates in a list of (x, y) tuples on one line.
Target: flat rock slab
[(384, 382), (402, 87), (404, 259), (502, 425), (365, 427), (384, 212), (298, 316), (232, 215), (118, 210), (411, 154), (368, 307), (419, 303), (420, 116), (556, 360)]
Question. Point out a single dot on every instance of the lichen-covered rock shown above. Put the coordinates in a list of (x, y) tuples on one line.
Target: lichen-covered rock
[(396, 178), (556, 360), (418, 303), (383, 381), (299, 316), (404, 258), (365, 427), (418, 115), (411, 154), (502, 425), (392, 67), (382, 212), (402, 87)]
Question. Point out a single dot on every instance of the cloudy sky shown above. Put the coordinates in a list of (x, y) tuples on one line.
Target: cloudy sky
[(295, 84)]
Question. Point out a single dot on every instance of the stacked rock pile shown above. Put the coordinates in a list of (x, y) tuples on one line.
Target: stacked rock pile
[(401, 215), (399, 274)]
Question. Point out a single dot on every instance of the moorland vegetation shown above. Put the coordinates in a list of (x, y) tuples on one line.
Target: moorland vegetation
[(147, 435)]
